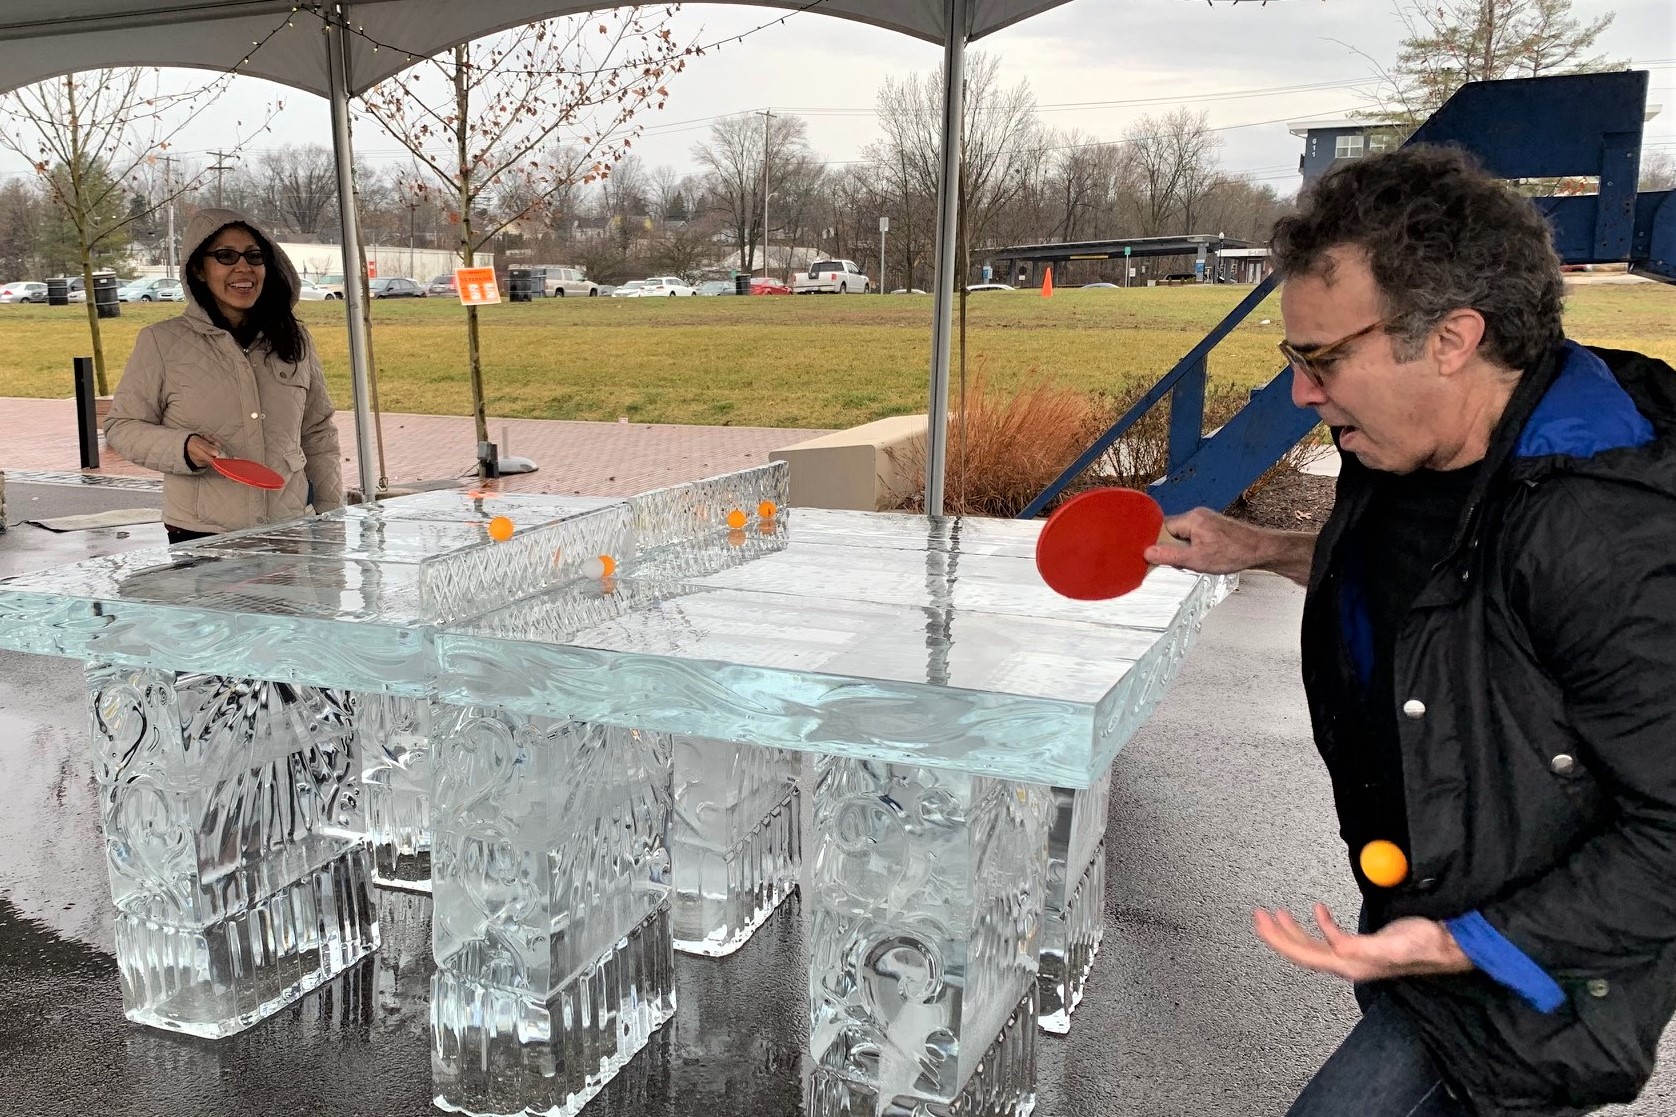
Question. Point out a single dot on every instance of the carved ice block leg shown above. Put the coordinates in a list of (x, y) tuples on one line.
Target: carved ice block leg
[(393, 737), (550, 912), (1072, 921), (239, 863), (923, 890), (735, 840)]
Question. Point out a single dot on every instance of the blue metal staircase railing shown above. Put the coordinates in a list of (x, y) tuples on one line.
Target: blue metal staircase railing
[(1580, 125)]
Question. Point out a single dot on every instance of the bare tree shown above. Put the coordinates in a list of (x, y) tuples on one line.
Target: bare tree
[(1658, 170), (1451, 42), (1175, 164), (547, 106), (23, 216), (90, 138), (733, 159), (299, 186), (1004, 143)]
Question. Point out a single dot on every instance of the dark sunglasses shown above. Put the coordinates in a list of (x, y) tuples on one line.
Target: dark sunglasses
[(1314, 363), (227, 257)]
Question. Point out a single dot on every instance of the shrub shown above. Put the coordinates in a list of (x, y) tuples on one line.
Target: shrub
[(1013, 444)]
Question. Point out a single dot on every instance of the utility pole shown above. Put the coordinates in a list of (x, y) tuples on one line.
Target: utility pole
[(220, 165), (767, 115)]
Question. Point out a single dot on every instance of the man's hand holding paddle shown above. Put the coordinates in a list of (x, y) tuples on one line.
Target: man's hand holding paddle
[(1210, 543)]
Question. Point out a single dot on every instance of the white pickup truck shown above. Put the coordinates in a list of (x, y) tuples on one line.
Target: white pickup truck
[(832, 277)]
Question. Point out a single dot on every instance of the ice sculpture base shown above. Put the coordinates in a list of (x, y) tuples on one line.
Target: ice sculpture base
[(1065, 967), (1076, 890), (1003, 1085), (217, 980), (496, 1052), (722, 898), (393, 737)]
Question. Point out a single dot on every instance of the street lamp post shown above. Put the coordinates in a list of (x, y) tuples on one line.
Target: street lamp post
[(884, 227)]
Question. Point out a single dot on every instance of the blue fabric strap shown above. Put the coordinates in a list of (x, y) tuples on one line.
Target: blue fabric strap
[(1493, 953)]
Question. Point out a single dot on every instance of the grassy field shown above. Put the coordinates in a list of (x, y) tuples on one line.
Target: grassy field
[(785, 362)]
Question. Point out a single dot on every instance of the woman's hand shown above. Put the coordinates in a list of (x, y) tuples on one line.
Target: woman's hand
[(201, 449)]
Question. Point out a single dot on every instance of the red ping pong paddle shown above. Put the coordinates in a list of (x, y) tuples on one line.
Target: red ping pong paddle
[(247, 472), (1091, 548)]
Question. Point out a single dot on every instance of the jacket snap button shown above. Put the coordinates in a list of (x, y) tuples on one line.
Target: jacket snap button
[(1598, 987), (1414, 708), (1425, 884), (1563, 764), (253, 415)]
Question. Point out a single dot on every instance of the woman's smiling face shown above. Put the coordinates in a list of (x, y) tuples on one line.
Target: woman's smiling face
[(235, 286)]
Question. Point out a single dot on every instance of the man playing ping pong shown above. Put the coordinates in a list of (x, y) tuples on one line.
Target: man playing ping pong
[(1488, 648)]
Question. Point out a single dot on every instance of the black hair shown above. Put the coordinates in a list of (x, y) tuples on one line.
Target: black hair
[(272, 318), (1440, 234)]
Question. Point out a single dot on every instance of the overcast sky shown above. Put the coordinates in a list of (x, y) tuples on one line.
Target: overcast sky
[(1094, 65)]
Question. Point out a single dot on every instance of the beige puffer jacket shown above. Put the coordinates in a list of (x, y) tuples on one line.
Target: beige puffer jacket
[(187, 376)]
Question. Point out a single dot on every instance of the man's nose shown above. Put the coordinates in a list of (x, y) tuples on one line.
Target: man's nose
[(1305, 391)]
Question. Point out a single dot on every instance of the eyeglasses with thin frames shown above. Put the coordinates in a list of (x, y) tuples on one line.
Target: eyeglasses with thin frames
[(1313, 363), (227, 257)]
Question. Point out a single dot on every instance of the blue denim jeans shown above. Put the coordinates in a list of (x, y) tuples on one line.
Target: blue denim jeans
[(1380, 1070)]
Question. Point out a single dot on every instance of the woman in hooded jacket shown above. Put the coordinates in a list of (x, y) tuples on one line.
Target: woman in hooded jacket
[(235, 375)]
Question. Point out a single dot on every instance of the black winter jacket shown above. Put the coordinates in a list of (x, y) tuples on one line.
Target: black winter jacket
[(1535, 705)]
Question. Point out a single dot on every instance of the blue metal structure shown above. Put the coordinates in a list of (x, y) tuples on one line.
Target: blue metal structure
[(1583, 125)]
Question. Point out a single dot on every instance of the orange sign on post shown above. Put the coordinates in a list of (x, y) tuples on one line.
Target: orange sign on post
[(476, 286)]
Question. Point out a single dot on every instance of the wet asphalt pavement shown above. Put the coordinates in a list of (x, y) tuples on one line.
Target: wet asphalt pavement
[(1218, 805)]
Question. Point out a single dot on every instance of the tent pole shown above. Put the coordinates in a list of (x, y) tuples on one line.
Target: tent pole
[(948, 268), (337, 65)]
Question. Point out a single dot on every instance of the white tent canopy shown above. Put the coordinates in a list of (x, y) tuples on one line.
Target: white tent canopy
[(43, 40), (282, 40)]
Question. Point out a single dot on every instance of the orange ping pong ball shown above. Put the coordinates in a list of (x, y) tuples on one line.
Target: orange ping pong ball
[(601, 566), (500, 529), (736, 519), (1383, 863), (768, 509)]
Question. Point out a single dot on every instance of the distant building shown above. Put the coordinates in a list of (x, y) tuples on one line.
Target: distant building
[(1328, 143)]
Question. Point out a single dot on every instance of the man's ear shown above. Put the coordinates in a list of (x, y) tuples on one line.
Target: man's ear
[(1456, 339)]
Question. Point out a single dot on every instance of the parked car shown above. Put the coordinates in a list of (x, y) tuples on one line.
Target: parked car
[(562, 280), (151, 289), (1177, 278), (628, 290), (395, 287), (332, 285), (974, 288), (659, 286), (1086, 286), (762, 285), (309, 292), (908, 291), (831, 277), (443, 285), (716, 287), (23, 292)]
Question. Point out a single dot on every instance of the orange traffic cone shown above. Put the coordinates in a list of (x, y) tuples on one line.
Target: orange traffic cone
[(1047, 283)]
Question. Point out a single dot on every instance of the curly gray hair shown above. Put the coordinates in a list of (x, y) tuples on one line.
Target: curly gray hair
[(1440, 234)]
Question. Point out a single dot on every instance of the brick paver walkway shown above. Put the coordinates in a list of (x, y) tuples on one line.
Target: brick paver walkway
[(597, 459)]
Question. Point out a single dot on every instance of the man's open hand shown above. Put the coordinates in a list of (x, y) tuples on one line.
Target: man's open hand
[(1402, 948)]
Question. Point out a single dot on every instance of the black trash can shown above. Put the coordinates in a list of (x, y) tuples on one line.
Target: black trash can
[(518, 285), (742, 283), (58, 291), (104, 295)]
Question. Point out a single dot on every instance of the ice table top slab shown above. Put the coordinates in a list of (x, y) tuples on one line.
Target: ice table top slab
[(861, 634), (335, 600)]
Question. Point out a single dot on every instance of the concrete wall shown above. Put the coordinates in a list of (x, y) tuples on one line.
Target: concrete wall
[(864, 468)]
